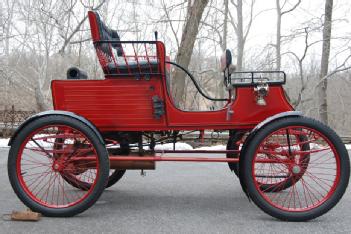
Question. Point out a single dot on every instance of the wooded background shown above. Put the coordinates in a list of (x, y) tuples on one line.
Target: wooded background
[(309, 40)]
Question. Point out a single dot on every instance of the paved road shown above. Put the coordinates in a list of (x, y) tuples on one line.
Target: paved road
[(176, 198)]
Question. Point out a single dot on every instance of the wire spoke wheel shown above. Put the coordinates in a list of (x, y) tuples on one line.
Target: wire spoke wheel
[(308, 184), (280, 181), (297, 170), (78, 178), (275, 177), (49, 172)]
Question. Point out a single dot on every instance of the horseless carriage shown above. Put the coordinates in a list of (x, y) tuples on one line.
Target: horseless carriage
[(292, 167)]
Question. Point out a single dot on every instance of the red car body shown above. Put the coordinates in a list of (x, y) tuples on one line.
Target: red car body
[(123, 103)]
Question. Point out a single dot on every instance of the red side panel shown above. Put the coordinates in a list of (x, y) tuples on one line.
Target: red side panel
[(246, 113), (123, 104), (126, 105)]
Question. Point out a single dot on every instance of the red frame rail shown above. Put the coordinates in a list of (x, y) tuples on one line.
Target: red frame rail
[(178, 159)]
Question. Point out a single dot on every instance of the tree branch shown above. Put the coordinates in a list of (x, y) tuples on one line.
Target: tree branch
[(291, 9), (76, 29)]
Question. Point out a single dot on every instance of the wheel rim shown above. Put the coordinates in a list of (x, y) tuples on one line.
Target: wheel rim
[(314, 182), (43, 168)]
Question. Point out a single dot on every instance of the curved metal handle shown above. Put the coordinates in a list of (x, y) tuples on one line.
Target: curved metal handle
[(196, 84)]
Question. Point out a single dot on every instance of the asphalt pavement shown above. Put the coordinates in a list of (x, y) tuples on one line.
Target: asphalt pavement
[(175, 198)]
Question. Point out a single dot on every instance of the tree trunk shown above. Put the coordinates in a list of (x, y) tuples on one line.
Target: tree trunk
[(278, 36), (186, 48), (240, 34), (40, 100), (225, 26), (220, 87), (280, 13), (322, 87), (7, 25)]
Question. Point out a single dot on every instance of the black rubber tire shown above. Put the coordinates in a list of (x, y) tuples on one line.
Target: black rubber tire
[(112, 179), (264, 205), (101, 178), (115, 177), (232, 146), (118, 174)]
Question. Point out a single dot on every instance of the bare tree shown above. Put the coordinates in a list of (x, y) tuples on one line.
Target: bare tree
[(280, 14), (7, 19), (52, 26), (184, 53), (225, 25), (68, 33), (240, 31), (220, 89), (322, 88), (300, 60)]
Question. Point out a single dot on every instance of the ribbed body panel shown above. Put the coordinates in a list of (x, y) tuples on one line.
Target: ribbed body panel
[(110, 103)]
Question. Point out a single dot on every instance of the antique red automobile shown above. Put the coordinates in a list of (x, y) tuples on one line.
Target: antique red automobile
[(292, 167)]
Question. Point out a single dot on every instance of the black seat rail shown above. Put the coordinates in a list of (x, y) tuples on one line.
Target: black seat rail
[(133, 58)]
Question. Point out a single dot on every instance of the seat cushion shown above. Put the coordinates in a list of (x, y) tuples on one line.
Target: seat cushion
[(142, 66)]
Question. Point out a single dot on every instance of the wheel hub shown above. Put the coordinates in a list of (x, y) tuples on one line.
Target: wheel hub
[(56, 166), (296, 169)]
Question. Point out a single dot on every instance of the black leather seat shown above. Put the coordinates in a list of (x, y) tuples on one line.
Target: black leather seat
[(142, 66), (115, 55), (107, 34)]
